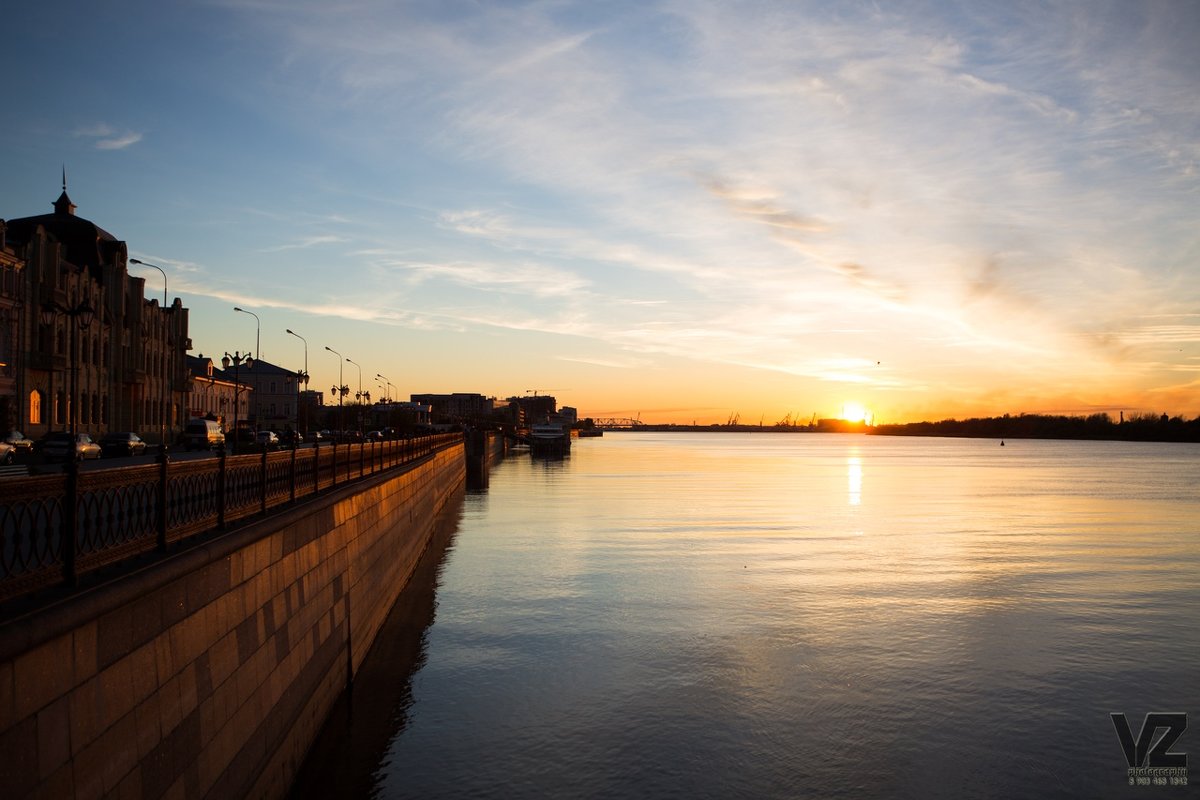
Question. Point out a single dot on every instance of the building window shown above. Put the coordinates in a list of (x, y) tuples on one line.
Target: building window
[(35, 407), (60, 406)]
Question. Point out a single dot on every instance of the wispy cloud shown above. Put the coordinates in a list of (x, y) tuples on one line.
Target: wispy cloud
[(304, 244), (108, 138), (994, 192)]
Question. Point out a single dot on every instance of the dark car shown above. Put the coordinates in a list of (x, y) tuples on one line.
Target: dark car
[(6, 453), (62, 446), (268, 439), (125, 443), (291, 438), (22, 444)]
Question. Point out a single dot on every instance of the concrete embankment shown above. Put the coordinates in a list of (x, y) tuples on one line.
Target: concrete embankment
[(484, 450), (210, 673)]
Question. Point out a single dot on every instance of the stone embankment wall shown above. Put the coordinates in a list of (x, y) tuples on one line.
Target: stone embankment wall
[(209, 674), (485, 449)]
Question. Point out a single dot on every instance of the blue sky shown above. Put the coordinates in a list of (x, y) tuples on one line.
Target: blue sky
[(679, 209)]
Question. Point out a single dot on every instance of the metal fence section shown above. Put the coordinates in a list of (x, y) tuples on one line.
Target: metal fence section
[(129, 510)]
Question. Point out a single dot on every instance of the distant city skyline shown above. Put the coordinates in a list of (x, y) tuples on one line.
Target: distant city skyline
[(678, 210)]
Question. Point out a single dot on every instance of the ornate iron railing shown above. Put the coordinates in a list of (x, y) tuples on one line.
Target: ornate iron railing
[(128, 510)]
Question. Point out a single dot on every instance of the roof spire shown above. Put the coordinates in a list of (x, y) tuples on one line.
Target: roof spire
[(63, 204)]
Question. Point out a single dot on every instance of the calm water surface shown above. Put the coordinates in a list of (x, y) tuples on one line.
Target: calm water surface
[(728, 615)]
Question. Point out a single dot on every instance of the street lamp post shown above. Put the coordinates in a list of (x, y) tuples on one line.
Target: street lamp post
[(166, 357), (237, 359), (82, 314), (358, 396), (390, 397), (257, 354), (340, 390), (301, 378)]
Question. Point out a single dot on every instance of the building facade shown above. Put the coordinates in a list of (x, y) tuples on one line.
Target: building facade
[(12, 283), (275, 401), (459, 405), (215, 394), (84, 343)]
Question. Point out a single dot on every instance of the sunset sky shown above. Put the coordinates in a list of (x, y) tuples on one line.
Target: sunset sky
[(683, 210)]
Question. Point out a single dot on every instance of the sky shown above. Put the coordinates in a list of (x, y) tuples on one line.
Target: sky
[(676, 211)]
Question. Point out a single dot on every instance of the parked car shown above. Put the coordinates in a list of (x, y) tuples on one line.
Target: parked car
[(124, 443), (62, 446), (203, 434), (267, 438), (6, 453), (290, 437), (22, 444), (375, 436)]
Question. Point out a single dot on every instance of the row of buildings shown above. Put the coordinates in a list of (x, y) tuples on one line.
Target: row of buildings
[(79, 342)]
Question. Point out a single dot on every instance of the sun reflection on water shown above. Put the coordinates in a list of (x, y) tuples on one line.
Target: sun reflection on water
[(854, 479)]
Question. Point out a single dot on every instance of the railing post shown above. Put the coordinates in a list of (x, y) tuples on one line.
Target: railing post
[(316, 466), (333, 474), (292, 472), (163, 459), (67, 532), (262, 481), (221, 488)]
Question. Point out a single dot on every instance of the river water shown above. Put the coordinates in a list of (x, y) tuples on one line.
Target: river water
[(776, 616)]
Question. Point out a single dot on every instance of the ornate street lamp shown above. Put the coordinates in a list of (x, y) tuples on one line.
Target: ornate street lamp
[(237, 359), (341, 389), (82, 314), (301, 377), (166, 397), (358, 396), (257, 355)]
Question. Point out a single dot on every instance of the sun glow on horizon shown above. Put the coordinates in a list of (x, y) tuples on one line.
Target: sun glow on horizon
[(855, 412)]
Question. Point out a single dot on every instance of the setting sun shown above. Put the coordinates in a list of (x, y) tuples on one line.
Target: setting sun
[(854, 412)]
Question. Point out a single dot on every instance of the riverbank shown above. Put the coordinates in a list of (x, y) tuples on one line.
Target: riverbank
[(1097, 427)]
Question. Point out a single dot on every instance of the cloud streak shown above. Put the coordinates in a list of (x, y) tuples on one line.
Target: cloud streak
[(108, 138)]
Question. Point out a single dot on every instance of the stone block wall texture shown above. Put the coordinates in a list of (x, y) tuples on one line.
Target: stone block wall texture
[(209, 674)]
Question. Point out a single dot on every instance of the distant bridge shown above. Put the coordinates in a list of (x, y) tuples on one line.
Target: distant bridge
[(617, 423)]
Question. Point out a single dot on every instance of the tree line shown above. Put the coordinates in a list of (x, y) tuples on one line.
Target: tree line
[(1137, 427)]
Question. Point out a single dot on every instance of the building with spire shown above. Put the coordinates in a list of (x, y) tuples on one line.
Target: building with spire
[(79, 339)]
